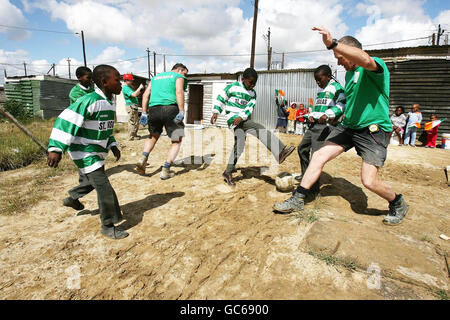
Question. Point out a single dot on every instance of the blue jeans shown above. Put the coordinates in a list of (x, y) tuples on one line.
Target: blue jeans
[(410, 135)]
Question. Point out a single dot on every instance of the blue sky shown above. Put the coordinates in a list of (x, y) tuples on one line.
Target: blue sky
[(119, 30)]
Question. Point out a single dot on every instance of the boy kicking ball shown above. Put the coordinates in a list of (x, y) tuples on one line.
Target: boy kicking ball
[(85, 131)]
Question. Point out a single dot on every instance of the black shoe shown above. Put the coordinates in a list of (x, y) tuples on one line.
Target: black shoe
[(73, 203), (295, 203), (228, 178), (286, 152), (114, 233)]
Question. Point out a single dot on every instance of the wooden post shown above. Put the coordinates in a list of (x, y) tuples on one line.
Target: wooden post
[(154, 63), (255, 18), (84, 49), (25, 130)]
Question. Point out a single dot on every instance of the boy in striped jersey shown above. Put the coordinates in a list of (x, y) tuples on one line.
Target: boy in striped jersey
[(237, 101), (84, 76), (85, 131), (329, 106)]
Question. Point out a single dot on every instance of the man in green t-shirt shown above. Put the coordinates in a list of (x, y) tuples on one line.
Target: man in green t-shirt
[(132, 105), (84, 85), (163, 106), (366, 127)]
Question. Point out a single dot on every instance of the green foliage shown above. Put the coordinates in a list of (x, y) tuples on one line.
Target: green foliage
[(16, 109)]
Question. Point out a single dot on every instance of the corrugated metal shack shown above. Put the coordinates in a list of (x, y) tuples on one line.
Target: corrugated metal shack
[(44, 96), (420, 75), (299, 85)]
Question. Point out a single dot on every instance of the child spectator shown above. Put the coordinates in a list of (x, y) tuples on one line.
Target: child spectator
[(414, 119), (282, 114), (292, 110), (85, 85), (300, 123), (398, 120), (85, 131), (432, 134)]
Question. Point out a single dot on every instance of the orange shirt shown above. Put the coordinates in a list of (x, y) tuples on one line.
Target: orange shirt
[(292, 113)]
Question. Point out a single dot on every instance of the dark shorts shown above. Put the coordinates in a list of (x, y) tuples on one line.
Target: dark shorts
[(281, 122), (162, 116), (371, 147)]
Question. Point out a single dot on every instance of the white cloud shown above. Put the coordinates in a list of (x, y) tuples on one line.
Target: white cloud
[(10, 15)]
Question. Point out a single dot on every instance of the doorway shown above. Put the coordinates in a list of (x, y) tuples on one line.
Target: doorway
[(195, 104)]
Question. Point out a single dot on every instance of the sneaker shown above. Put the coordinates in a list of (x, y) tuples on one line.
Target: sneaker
[(397, 211), (166, 173), (114, 233), (286, 152), (295, 203), (73, 203), (141, 164)]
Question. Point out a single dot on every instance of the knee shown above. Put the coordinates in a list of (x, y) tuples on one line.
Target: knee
[(368, 181)]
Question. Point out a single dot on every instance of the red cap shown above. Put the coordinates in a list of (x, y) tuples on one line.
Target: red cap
[(128, 76)]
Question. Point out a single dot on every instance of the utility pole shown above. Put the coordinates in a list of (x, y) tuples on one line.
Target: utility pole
[(54, 69), (255, 18), (84, 49), (154, 63), (433, 39), (68, 61), (6, 76), (269, 50), (25, 68), (164, 63), (439, 34), (282, 61), (148, 64)]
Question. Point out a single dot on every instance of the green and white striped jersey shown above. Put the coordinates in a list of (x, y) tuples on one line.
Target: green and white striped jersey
[(329, 101), (79, 91), (85, 131), (236, 101)]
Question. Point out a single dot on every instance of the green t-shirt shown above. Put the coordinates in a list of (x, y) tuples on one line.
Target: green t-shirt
[(79, 91), (367, 98), (163, 92), (129, 100)]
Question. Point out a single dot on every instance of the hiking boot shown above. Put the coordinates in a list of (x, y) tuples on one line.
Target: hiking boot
[(166, 173), (141, 164), (397, 211), (114, 233), (286, 152), (73, 203), (295, 203)]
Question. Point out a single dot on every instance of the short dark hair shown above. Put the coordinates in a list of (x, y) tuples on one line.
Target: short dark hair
[(179, 65), (401, 108), (250, 73), (81, 71), (101, 72), (323, 69), (350, 41)]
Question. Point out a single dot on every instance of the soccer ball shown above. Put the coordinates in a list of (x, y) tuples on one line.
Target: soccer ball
[(284, 182)]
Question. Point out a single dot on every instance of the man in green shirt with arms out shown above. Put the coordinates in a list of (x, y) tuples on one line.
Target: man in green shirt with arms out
[(366, 127), (85, 85), (131, 104), (163, 106)]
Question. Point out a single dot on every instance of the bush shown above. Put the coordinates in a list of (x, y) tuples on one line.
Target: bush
[(16, 109)]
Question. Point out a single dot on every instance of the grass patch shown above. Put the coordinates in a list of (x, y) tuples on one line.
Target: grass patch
[(17, 149), (329, 259), (306, 215), (442, 294), (426, 239), (20, 190)]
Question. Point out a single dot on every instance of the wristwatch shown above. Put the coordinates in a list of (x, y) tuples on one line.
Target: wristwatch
[(333, 44)]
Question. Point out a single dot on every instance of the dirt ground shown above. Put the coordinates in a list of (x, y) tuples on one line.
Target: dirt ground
[(193, 237)]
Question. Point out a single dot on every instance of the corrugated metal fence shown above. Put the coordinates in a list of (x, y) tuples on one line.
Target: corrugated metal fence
[(299, 85), (426, 82)]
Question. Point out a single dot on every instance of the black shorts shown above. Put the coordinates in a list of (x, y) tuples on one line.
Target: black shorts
[(370, 146), (162, 116)]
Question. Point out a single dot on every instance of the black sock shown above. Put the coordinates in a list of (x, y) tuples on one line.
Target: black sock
[(302, 190), (397, 197)]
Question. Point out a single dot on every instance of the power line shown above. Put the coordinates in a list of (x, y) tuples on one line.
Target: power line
[(40, 30)]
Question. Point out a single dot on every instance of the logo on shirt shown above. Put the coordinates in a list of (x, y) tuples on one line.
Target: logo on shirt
[(105, 125)]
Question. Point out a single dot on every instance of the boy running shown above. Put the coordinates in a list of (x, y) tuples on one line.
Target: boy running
[(85, 131), (238, 100), (85, 85)]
